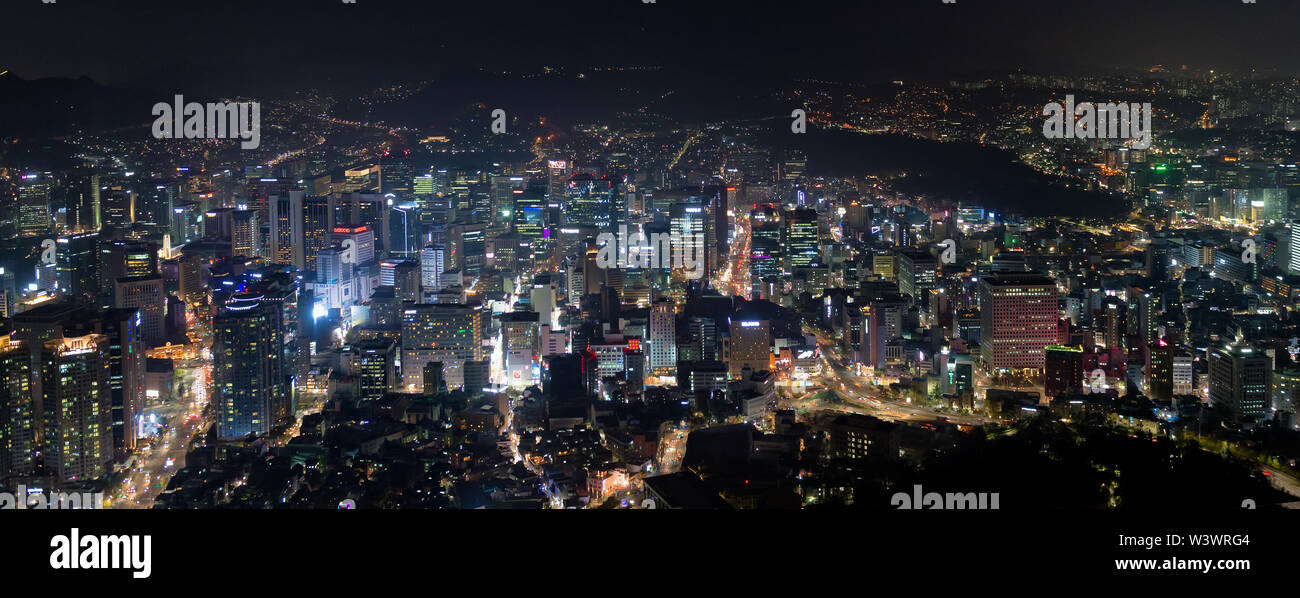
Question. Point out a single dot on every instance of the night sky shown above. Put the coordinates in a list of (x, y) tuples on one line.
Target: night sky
[(122, 42)]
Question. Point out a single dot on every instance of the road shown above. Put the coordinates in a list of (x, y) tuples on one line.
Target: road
[(871, 399), (160, 458)]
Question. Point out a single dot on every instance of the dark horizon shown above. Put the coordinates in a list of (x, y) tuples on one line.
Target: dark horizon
[(143, 43)]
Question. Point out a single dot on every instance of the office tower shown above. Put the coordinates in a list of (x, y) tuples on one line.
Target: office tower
[(801, 239), (124, 259), (576, 286), (686, 225), (18, 416), (317, 225), (1018, 319), (916, 272), (704, 338), (1062, 370), (1113, 324), (1144, 311), (185, 222), (153, 206), (190, 279), (376, 368), (82, 202), (751, 346), (117, 207), (144, 293), (1183, 373), (959, 377), (365, 178), (1229, 266), (8, 292), (1160, 370), (34, 217), (661, 337), (476, 376), (519, 346), (468, 249), (451, 334), (395, 175), (1286, 391), (505, 191), (530, 226), (557, 179), (590, 201), (1240, 380), (434, 382), (360, 240), (245, 233), (868, 332), (331, 266), (77, 264), (76, 408), (285, 219), (247, 379), (1294, 266), (432, 264), (405, 230), (368, 210), (126, 376), (765, 249), (404, 277), (542, 297)]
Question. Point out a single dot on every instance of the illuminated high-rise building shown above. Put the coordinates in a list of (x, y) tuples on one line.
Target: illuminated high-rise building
[(765, 250), (661, 338), (34, 218), (505, 192), (590, 201), (376, 368), (248, 387), (1160, 370), (18, 416), (452, 334), (801, 239), (144, 293), (245, 233), (1240, 380), (285, 218), (76, 408), (1018, 319), (751, 346), (433, 262)]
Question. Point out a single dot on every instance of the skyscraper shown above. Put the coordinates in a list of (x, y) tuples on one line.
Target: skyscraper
[(144, 293), (432, 264), (451, 334), (1018, 319), (18, 416), (34, 217), (751, 346), (248, 387), (76, 405), (661, 337), (1240, 380), (1063, 370), (376, 369), (801, 239)]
